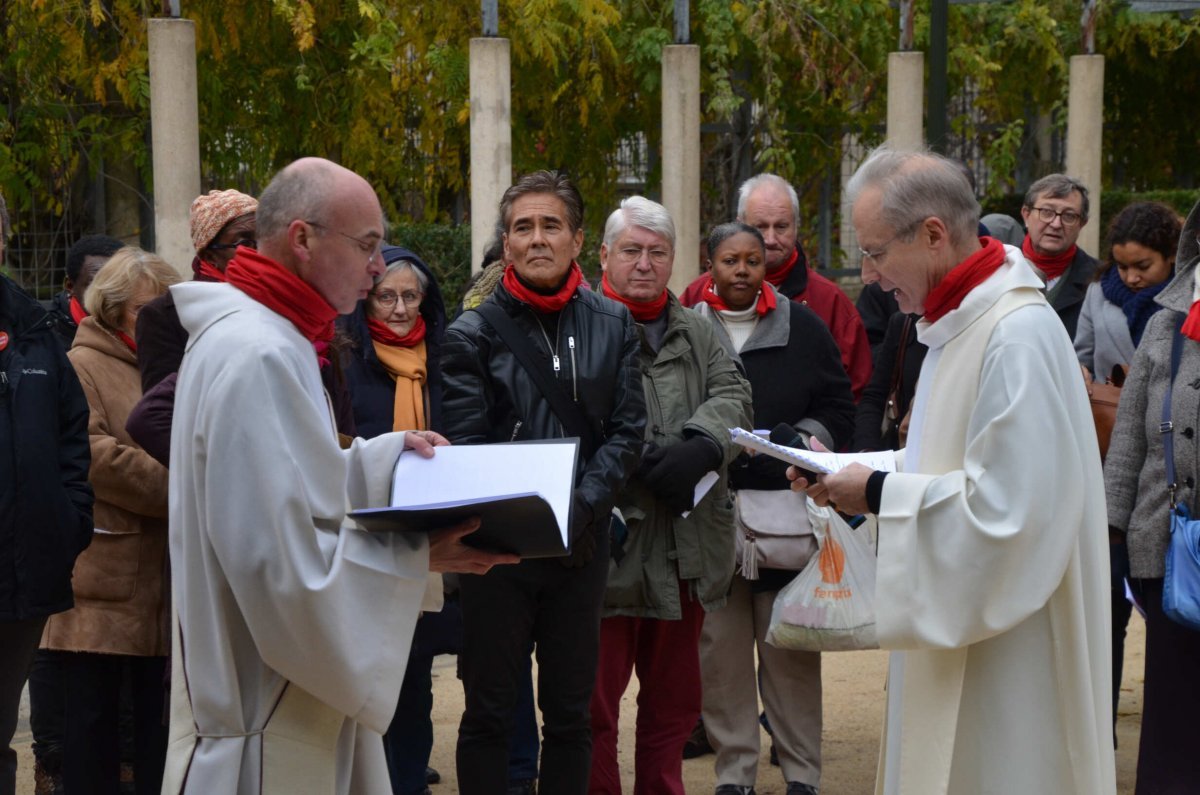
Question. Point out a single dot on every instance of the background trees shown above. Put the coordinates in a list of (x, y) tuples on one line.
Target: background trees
[(381, 85)]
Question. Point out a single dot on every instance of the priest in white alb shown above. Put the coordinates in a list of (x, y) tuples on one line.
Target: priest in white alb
[(993, 548), (292, 626)]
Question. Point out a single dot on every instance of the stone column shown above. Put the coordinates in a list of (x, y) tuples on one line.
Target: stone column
[(491, 137), (175, 137), (906, 100), (681, 156), (1085, 127)]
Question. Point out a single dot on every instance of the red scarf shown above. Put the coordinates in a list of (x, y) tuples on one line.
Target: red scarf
[(206, 271), (777, 276), (642, 311), (708, 292), (540, 302), (78, 313), (283, 292), (383, 334), (1053, 265), (963, 278), (128, 340)]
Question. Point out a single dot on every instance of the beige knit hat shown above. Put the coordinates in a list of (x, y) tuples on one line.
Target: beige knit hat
[(210, 213)]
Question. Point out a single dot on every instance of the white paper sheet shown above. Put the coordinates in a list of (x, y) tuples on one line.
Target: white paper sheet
[(702, 487), (883, 460)]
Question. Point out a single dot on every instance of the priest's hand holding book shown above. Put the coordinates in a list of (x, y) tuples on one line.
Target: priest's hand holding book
[(447, 553)]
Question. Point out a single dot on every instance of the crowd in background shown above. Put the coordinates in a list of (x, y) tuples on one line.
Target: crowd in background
[(655, 582)]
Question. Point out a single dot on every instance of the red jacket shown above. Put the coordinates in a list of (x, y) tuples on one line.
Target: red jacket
[(805, 286)]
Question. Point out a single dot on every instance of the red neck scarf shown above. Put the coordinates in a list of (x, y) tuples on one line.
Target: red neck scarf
[(708, 292), (128, 340), (383, 334), (78, 313), (283, 292), (780, 274), (541, 302), (1053, 265), (207, 272), (642, 311), (963, 278)]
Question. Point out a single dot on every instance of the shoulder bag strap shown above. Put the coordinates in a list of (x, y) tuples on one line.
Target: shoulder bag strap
[(567, 410), (1166, 427), (893, 395)]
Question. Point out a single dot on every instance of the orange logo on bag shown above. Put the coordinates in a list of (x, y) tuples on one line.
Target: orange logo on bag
[(832, 561)]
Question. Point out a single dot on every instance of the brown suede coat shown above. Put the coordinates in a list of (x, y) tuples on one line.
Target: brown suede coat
[(120, 581)]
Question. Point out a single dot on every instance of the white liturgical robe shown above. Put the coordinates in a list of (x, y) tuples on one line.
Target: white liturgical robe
[(993, 562), (293, 627)]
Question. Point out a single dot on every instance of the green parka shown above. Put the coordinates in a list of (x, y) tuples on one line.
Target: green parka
[(691, 386)]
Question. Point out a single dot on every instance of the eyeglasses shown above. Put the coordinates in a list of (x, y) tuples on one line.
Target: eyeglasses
[(387, 299), (1047, 215), (630, 254), (878, 254), (371, 249), (248, 242)]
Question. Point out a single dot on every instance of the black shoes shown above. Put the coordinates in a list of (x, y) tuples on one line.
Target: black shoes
[(697, 743), (734, 789), (796, 788), (524, 787)]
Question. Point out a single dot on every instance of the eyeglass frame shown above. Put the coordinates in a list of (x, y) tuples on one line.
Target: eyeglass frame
[(378, 245), (1059, 214), (418, 297), (882, 250), (666, 255), (248, 242)]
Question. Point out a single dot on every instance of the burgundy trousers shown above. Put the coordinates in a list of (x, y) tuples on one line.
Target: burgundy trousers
[(666, 657)]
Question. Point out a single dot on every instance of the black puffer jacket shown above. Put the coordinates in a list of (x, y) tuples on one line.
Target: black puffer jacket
[(45, 499), (487, 396)]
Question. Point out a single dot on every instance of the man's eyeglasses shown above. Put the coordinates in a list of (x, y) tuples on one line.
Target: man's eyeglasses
[(387, 299), (1047, 215), (248, 242), (371, 249), (878, 254), (658, 256)]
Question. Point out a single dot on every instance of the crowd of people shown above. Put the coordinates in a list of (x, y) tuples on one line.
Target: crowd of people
[(195, 612)]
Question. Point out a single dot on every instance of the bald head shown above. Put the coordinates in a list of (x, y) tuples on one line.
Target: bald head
[(309, 189)]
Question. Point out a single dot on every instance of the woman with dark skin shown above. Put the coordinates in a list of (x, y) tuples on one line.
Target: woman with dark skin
[(795, 369)]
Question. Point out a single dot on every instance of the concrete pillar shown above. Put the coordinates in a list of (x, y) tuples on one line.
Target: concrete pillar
[(175, 137), (491, 137), (681, 156), (906, 100), (853, 154), (1085, 125)]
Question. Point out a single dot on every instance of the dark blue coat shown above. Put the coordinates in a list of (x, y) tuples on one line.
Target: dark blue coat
[(372, 390), (45, 499)]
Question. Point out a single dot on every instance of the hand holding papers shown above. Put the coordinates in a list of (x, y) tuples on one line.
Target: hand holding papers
[(811, 460), (521, 492)]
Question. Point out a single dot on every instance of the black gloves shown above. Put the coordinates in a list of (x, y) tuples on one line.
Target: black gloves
[(583, 535), (672, 472), (758, 472)]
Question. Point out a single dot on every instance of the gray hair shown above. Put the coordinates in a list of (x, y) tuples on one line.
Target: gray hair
[(402, 265), (762, 180), (639, 211), (916, 186), (1057, 186), (294, 193)]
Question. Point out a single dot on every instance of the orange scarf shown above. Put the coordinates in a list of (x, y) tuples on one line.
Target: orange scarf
[(406, 366)]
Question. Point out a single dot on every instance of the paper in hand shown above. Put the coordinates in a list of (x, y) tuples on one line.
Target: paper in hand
[(811, 460)]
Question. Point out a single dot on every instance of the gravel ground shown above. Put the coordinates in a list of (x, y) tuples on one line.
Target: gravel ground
[(854, 700)]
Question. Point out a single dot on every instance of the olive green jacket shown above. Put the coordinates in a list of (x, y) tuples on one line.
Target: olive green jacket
[(691, 386)]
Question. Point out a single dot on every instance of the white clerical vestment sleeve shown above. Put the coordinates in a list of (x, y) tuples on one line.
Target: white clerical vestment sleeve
[(329, 607), (971, 553)]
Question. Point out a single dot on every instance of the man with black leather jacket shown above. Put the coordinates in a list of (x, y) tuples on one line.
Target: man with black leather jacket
[(45, 499), (588, 346)]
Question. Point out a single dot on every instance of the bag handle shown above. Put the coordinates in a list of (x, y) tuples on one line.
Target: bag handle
[(893, 394), (1167, 427), (568, 412)]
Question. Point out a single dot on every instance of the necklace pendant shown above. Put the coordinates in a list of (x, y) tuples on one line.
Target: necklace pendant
[(557, 367)]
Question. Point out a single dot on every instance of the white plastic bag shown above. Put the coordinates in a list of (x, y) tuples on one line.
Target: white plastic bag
[(830, 606)]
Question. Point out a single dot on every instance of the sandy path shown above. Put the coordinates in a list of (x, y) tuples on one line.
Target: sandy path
[(853, 711)]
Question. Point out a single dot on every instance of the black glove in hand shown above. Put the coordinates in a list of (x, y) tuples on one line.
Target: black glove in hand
[(675, 470), (651, 455), (760, 472)]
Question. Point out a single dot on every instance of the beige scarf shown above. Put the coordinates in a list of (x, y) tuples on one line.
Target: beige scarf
[(406, 366)]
